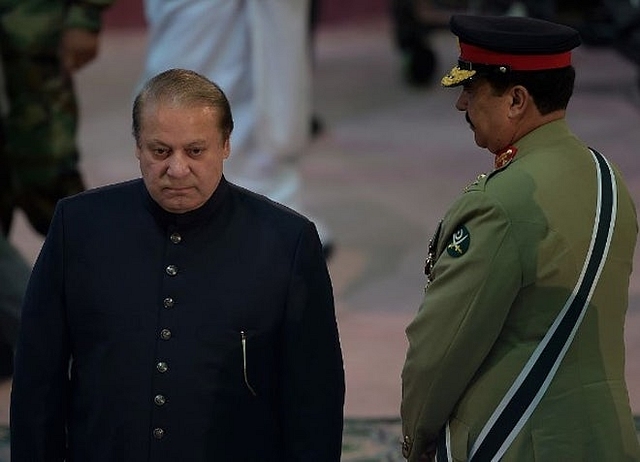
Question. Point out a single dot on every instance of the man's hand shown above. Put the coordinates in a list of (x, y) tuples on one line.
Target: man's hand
[(77, 48)]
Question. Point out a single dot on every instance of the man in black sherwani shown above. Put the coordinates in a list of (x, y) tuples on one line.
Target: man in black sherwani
[(178, 317)]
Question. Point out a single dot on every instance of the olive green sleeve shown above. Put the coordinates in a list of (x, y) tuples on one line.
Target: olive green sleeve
[(461, 315), (86, 14)]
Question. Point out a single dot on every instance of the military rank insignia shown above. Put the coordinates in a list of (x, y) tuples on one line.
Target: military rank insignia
[(475, 182), (459, 242)]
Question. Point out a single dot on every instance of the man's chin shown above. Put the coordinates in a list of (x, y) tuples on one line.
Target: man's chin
[(177, 209), (178, 204)]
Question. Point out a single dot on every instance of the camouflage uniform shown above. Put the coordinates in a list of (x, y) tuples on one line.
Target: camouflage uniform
[(38, 154), (14, 274), (39, 161)]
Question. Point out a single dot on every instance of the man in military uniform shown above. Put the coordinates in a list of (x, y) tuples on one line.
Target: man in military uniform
[(517, 351), (14, 274), (42, 42)]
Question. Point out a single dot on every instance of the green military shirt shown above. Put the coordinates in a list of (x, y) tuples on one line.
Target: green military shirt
[(39, 156), (507, 256), (86, 14)]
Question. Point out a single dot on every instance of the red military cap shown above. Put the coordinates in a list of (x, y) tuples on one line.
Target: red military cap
[(506, 43)]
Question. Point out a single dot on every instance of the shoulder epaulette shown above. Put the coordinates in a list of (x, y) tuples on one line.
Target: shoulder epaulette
[(476, 184)]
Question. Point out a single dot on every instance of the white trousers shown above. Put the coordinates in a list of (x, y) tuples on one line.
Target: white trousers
[(258, 52)]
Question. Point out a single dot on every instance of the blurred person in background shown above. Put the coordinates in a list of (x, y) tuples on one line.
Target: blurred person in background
[(14, 275), (42, 43), (259, 52), (540, 9)]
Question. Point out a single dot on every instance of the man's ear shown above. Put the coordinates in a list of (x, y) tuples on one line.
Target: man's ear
[(520, 100), (138, 151), (227, 147)]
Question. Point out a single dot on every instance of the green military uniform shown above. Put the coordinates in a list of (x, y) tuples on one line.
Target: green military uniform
[(506, 258), (38, 154), (39, 161)]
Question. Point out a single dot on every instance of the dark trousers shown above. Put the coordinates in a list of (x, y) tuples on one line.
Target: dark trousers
[(14, 275)]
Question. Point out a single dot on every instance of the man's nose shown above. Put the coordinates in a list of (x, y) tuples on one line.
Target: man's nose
[(178, 165), (462, 102)]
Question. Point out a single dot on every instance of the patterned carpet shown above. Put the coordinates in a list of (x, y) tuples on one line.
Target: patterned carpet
[(369, 440), (365, 440), (379, 440)]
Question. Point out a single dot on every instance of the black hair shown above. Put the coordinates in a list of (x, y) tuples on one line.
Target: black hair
[(551, 89)]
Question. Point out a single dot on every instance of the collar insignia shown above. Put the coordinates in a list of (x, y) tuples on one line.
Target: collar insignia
[(505, 156)]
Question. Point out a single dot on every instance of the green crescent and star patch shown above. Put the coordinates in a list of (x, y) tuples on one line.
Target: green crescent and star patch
[(459, 243)]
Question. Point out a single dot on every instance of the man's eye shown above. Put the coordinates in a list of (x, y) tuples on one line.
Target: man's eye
[(195, 151), (160, 152)]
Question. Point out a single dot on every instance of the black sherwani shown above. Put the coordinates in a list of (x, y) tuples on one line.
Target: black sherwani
[(205, 336)]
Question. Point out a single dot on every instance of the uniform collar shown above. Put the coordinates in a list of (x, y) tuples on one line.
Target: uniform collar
[(549, 133)]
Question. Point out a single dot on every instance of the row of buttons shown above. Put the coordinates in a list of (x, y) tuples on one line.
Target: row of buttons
[(165, 334)]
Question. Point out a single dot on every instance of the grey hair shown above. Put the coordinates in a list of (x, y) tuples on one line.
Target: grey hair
[(183, 87)]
